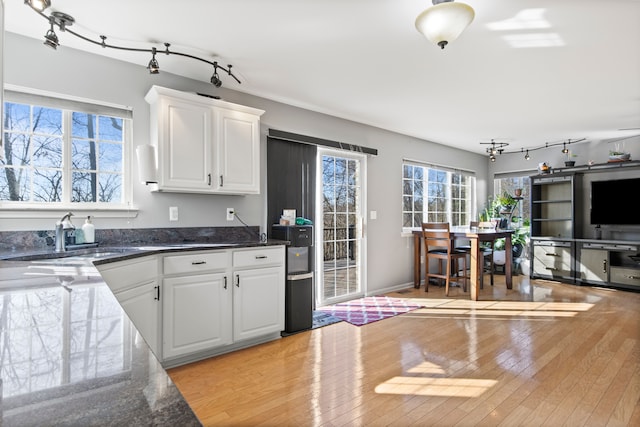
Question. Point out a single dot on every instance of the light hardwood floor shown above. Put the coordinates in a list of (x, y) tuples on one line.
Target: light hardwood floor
[(543, 353)]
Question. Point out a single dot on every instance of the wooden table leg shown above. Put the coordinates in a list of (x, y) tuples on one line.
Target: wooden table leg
[(508, 260), (416, 260), (475, 265)]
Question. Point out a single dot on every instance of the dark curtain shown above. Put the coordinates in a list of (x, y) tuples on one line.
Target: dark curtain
[(291, 179)]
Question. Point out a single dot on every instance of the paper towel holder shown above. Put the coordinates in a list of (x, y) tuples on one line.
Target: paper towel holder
[(147, 171)]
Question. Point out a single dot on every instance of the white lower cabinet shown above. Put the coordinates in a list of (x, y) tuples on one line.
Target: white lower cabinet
[(258, 303), (196, 304), (135, 285), (196, 313)]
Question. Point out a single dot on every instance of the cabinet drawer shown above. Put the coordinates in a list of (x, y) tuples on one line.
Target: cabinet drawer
[(259, 257), (625, 276), (126, 274), (552, 261), (195, 263)]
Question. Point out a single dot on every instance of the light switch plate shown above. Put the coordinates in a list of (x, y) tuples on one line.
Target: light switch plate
[(173, 213)]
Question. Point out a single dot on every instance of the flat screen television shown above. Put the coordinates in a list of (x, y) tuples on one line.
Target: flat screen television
[(612, 202)]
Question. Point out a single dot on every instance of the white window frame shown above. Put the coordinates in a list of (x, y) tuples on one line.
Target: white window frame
[(471, 209), (34, 210)]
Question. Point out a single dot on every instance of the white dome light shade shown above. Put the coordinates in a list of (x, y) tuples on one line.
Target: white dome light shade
[(442, 23)]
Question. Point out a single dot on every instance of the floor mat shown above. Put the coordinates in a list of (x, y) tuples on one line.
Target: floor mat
[(369, 309), (321, 318)]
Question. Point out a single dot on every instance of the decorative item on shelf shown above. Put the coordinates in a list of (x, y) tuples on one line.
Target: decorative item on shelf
[(517, 192), (619, 154), (570, 162), (544, 168)]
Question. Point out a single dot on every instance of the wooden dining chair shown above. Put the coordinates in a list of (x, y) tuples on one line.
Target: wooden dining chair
[(439, 246), (487, 251)]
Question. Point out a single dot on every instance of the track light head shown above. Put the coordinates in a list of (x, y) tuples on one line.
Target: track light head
[(215, 79), (527, 156), (51, 39), (39, 5), (565, 150), (154, 67)]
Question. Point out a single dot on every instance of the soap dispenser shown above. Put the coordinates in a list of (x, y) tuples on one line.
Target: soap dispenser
[(89, 231)]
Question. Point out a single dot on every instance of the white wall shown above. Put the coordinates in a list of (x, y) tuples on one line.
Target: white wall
[(28, 63)]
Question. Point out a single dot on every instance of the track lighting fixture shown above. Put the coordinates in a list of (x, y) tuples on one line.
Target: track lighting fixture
[(153, 66), (498, 148), (51, 39), (63, 21)]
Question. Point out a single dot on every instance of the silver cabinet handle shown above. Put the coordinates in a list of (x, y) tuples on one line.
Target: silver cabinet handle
[(221, 181), (555, 255), (198, 262), (208, 179), (225, 282), (604, 265), (261, 256), (633, 277), (237, 280), (157, 297)]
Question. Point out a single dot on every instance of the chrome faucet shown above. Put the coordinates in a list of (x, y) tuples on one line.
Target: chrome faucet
[(62, 227)]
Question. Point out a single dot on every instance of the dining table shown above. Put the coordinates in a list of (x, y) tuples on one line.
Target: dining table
[(476, 237)]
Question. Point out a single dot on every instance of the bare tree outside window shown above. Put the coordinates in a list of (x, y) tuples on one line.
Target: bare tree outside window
[(434, 195), (34, 169)]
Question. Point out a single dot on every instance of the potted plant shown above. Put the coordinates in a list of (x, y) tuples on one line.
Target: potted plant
[(506, 202), (570, 162)]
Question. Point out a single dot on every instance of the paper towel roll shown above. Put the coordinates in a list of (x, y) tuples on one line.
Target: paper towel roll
[(146, 163)]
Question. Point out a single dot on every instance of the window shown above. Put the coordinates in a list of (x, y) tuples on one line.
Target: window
[(509, 183), (63, 153), (436, 194)]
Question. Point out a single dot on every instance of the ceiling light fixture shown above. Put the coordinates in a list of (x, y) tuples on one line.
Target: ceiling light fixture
[(51, 39), (496, 148), (38, 5), (215, 80), (443, 22), (63, 21), (499, 150), (154, 67)]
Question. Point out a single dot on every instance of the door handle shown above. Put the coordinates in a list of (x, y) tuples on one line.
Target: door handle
[(208, 179), (221, 181), (237, 280), (225, 282), (198, 262), (157, 297)]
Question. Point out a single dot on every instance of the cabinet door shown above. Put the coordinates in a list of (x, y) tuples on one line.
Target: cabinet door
[(184, 145), (238, 159), (142, 305), (196, 313), (258, 302), (593, 265)]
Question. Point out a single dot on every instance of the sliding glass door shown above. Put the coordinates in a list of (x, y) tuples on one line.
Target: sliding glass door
[(340, 228)]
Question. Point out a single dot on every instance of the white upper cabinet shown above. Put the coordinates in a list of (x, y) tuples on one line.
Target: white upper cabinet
[(238, 136), (204, 145)]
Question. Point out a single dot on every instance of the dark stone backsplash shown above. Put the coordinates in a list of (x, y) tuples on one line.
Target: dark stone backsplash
[(41, 240)]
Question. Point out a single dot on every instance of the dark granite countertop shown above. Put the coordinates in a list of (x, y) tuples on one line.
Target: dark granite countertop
[(70, 354)]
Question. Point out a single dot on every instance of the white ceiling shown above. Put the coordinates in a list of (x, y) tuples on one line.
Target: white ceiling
[(364, 60)]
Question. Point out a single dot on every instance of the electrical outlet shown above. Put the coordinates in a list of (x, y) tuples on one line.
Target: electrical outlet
[(173, 213), (230, 214)]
